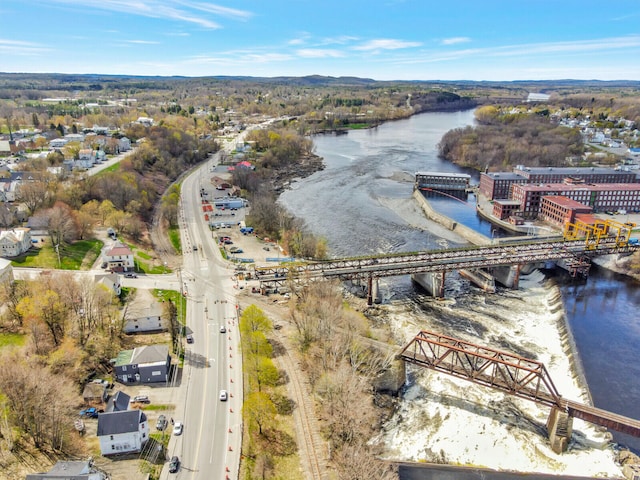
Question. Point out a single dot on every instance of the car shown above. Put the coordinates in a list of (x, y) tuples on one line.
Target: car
[(195, 248), (141, 399), (104, 265), (236, 250), (89, 413), (223, 329), (161, 424), (177, 428), (130, 275), (174, 464), (189, 338), (223, 395), (228, 242)]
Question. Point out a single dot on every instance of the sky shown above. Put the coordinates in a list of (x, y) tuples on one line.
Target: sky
[(494, 40)]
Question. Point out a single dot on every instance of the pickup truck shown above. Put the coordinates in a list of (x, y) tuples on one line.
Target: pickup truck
[(89, 412)]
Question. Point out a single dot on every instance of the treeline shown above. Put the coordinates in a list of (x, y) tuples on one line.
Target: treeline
[(72, 327), (501, 141), (341, 369), (276, 151)]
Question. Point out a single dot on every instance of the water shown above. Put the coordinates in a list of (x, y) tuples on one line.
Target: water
[(361, 204)]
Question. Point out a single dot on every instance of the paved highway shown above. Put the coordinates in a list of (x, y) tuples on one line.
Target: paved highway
[(210, 445)]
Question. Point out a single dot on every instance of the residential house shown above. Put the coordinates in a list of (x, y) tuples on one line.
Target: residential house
[(14, 242), (111, 281), (64, 470), (144, 314), (6, 271), (124, 144), (58, 143), (5, 147), (118, 257), (147, 364), (122, 432), (119, 402)]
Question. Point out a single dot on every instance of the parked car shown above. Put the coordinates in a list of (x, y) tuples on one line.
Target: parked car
[(228, 242), (236, 250), (131, 275), (177, 428), (189, 338), (223, 395), (174, 464), (141, 399), (161, 424), (89, 412)]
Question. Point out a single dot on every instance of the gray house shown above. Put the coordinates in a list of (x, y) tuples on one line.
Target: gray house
[(148, 364), (69, 471), (119, 402)]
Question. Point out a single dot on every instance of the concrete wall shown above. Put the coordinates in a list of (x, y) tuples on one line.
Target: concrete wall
[(465, 232)]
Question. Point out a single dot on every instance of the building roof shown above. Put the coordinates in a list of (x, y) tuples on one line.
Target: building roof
[(594, 187), (64, 470), (566, 202), (119, 402), (113, 423), (505, 176), (143, 355), (568, 171), (444, 174), (150, 354), (94, 390), (119, 249)]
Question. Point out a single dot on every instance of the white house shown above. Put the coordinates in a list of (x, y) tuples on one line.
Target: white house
[(122, 431), (58, 142), (144, 315), (14, 242), (124, 144), (111, 281), (118, 257)]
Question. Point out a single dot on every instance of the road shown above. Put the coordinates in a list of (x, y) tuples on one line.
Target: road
[(209, 448)]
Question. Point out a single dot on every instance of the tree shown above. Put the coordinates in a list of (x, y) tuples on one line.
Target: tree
[(254, 320), (260, 410), (34, 195), (61, 224)]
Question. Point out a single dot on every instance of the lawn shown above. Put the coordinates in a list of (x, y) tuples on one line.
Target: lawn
[(174, 237), (11, 339), (68, 257)]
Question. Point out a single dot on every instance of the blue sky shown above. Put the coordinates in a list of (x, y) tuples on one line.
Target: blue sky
[(379, 39)]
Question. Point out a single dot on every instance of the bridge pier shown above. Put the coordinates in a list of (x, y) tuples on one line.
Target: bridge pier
[(432, 282), (559, 429), (373, 291), (509, 275)]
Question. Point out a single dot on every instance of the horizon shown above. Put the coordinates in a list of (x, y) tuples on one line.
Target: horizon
[(381, 40)]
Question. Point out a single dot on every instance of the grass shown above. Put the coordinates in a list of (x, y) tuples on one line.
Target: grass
[(177, 299), (12, 340), (174, 237), (112, 168), (69, 257)]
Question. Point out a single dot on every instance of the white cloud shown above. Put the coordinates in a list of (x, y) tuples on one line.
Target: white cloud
[(142, 42), (319, 53), (18, 47), (177, 10), (455, 40), (386, 44)]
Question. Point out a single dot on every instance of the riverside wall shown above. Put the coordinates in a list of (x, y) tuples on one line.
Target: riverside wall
[(465, 232)]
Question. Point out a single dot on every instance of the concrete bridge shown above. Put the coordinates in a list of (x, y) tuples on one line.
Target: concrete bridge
[(481, 264)]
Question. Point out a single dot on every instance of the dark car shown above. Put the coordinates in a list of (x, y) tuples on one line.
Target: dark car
[(174, 464), (161, 424), (189, 338)]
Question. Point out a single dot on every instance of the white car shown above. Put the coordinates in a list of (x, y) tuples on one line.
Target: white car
[(223, 395), (177, 428)]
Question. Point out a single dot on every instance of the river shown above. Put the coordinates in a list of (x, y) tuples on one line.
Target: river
[(361, 204)]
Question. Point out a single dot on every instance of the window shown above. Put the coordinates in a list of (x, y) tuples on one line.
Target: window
[(124, 368)]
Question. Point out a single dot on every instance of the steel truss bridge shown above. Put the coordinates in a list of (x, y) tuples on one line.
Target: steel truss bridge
[(576, 255), (509, 373)]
